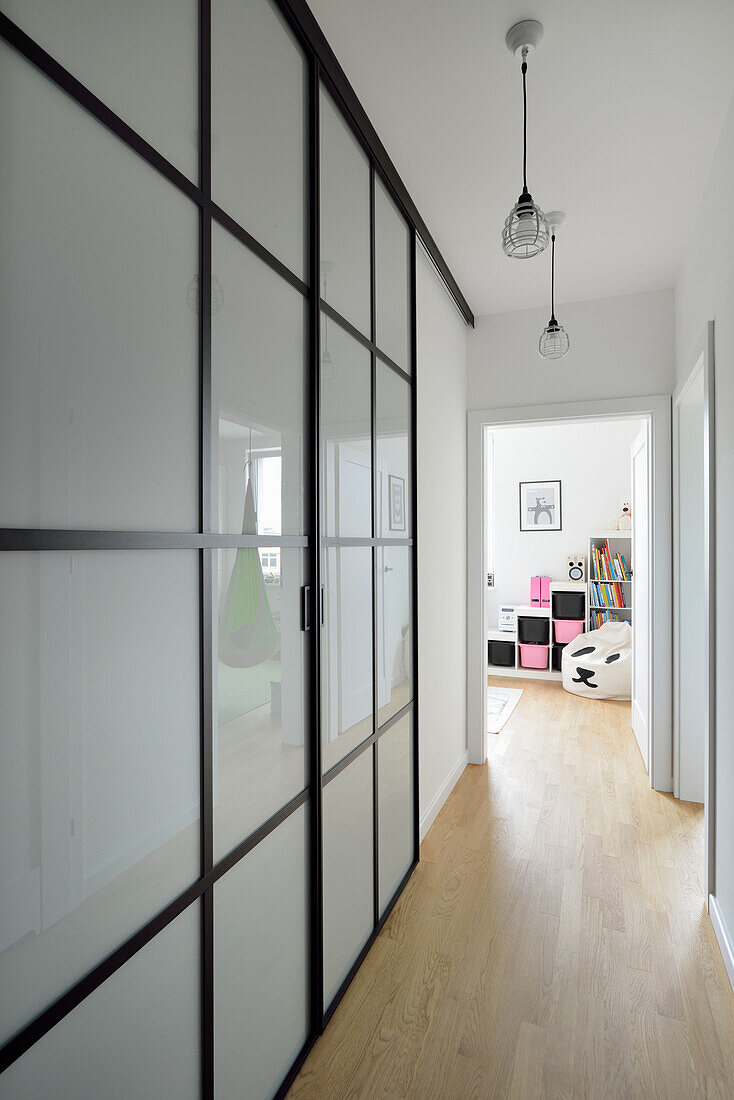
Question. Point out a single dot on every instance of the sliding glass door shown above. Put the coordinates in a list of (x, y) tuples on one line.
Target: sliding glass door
[(366, 540), (207, 573)]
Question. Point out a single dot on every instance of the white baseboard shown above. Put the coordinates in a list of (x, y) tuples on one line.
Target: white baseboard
[(443, 793), (722, 935)]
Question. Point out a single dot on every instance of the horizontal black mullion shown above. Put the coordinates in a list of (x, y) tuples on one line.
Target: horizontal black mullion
[(365, 950), (393, 366), (240, 851), (342, 322), (228, 222), (74, 996), (15, 538), (337, 540), (365, 341), (357, 751)]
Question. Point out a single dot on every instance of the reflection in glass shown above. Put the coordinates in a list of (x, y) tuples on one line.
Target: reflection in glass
[(348, 877), (346, 651), (257, 394), (99, 774), (392, 289), (346, 436), (393, 454), (99, 374), (259, 96), (394, 622), (259, 753), (395, 802), (260, 958), (345, 218), (136, 1036)]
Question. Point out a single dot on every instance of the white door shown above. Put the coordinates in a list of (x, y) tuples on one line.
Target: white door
[(641, 594), (692, 605)]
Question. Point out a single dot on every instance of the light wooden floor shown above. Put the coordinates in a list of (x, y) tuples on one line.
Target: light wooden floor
[(553, 941)]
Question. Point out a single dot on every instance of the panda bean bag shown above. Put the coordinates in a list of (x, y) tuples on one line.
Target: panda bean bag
[(598, 665)]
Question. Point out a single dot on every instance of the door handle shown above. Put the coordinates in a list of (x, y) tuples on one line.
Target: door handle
[(389, 569)]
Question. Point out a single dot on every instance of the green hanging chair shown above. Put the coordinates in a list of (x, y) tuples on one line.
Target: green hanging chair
[(247, 632)]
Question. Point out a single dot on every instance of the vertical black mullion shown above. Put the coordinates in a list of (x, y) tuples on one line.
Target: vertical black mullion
[(414, 550), (375, 559), (206, 573), (313, 425)]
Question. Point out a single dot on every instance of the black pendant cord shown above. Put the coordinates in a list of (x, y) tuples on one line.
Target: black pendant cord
[(524, 128), (553, 280)]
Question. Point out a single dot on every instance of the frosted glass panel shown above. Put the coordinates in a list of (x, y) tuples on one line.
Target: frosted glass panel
[(395, 802), (348, 876), (392, 288), (393, 454), (259, 96), (394, 623), (346, 429), (258, 395), (134, 1038), (99, 772), (259, 756), (260, 964), (141, 60), (99, 377), (346, 651), (345, 219)]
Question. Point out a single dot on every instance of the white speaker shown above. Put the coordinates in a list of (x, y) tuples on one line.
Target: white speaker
[(577, 568)]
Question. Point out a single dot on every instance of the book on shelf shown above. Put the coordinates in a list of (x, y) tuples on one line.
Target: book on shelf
[(597, 618), (609, 567), (607, 594)]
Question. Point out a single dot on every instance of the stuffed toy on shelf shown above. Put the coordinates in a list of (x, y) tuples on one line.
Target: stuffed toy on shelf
[(623, 521)]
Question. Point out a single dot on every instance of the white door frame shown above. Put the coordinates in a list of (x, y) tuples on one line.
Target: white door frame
[(658, 410), (703, 362)]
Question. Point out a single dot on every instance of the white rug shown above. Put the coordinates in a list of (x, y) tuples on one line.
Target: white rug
[(500, 704)]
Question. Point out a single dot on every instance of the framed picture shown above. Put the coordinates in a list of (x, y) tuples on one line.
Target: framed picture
[(540, 506), (396, 492)]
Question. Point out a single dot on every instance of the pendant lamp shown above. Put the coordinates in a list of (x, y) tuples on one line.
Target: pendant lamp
[(525, 232), (554, 341)]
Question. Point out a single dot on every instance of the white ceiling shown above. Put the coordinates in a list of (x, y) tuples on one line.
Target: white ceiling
[(626, 102)]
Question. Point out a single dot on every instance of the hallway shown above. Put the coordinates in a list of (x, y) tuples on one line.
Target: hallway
[(553, 941)]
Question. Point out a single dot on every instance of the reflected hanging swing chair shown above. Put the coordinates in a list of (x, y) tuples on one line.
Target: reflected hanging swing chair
[(247, 631)]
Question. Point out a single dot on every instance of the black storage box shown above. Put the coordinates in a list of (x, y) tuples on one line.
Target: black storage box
[(502, 653), (533, 630), (556, 657), (569, 605)]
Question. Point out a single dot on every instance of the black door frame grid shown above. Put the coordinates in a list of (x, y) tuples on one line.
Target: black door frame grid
[(323, 69)]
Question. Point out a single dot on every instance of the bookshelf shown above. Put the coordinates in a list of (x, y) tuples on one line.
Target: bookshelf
[(609, 582)]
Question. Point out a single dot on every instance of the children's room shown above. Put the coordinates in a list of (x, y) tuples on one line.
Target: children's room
[(562, 543)]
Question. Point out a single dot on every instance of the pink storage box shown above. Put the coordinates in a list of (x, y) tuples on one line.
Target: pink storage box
[(534, 656), (565, 630)]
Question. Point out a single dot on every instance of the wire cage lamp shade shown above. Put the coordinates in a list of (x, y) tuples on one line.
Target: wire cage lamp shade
[(525, 232), (554, 341)]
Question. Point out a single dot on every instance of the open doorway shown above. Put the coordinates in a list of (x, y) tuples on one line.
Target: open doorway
[(652, 433), (562, 557)]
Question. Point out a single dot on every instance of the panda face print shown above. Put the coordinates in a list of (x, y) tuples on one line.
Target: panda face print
[(585, 675)]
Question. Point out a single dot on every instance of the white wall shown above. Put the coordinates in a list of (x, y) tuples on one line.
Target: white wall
[(441, 381), (705, 290), (620, 347), (592, 461)]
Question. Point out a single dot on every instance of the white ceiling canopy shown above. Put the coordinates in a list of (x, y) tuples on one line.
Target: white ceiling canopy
[(626, 102)]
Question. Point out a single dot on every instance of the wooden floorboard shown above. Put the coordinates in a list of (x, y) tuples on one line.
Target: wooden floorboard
[(552, 943)]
